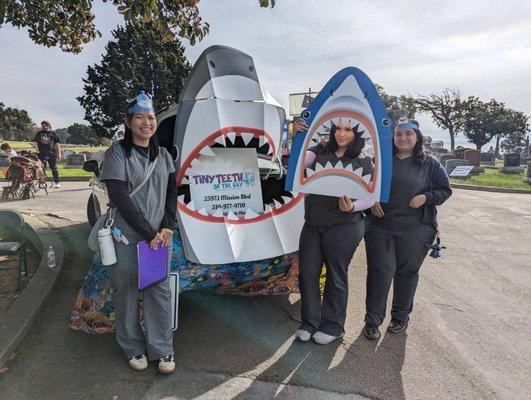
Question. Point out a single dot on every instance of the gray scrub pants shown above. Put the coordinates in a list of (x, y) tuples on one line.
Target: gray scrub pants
[(334, 245), (156, 299), (394, 255)]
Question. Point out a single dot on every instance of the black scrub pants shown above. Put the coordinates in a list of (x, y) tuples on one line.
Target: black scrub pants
[(398, 255), (49, 159), (334, 245)]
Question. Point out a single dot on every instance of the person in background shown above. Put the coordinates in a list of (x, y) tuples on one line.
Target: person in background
[(400, 232), (49, 148), (8, 151)]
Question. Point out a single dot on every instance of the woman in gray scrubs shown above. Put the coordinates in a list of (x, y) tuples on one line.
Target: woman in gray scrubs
[(148, 215), (400, 232)]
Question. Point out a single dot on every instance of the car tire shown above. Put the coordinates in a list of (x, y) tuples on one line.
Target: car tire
[(93, 209)]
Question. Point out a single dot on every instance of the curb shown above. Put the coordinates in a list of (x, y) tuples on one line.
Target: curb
[(489, 188), (18, 319)]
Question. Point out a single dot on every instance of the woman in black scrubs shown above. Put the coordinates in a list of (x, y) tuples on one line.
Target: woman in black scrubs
[(400, 232), (332, 230)]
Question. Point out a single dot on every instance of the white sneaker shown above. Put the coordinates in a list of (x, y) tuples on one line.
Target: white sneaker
[(56, 185), (323, 338), (167, 364), (303, 335), (138, 363)]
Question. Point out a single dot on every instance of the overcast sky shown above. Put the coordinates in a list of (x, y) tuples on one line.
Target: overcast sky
[(408, 46)]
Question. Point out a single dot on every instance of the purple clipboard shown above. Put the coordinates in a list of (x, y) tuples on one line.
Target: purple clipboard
[(152, 264)]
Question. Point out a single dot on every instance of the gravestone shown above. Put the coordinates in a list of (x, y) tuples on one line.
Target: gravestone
[(454, 162), (511, 163), (487, 158), (460, 153), (88, 154), (474, 158), (528, 178), (444, 158), (67, 152), (75, 161), (4, 161)]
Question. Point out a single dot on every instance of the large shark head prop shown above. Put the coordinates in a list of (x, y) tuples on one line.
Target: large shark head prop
[(349, 97), (224, 110)]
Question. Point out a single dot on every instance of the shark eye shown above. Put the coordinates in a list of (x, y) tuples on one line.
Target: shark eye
[(306, 114), (212, 64), (251, 68), (385, 122)]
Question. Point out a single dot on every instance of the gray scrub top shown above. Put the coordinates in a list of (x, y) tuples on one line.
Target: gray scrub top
[(151, 198)]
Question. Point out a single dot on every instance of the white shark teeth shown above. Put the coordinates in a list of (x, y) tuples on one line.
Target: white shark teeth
[(203, 212), (339, 165), (309, 172), (220, 140), (185, 181), (318, 167), (359, 171), (231, 136), (269, 150), (191, 205), (180, 198), (366, 135), (218, 213), (195, 162), (286, 199), (249, 214), (348, 167), (207, 151), (231, 215), (328, 165), (261, 140), (247, 137), (366, 178)]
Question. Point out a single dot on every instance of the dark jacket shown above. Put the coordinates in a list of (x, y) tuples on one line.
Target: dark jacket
[(437, 189)]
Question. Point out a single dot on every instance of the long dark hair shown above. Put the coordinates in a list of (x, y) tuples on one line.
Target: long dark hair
[(354, 147), (419, 156), (127, 141)]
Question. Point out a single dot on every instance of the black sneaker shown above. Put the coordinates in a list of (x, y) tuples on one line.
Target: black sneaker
[(371, 332), (396, 326)]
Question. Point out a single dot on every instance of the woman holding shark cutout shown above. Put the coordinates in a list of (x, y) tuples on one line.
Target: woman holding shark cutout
[(332, 231)]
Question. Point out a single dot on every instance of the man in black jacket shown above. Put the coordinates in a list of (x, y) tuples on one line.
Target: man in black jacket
[(49, 147)]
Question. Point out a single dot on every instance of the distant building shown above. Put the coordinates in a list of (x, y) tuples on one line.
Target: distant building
[(437, 144), (299, 101), (427, 142)]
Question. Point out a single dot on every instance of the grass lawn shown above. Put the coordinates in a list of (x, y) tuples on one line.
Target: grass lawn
[(69, 172), (493, 177)]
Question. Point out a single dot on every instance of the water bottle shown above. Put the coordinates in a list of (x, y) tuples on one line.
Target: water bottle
[(105, 240), (51, 257)]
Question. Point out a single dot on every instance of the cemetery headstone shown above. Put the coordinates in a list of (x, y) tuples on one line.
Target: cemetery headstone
[(511, 163), (487, 158), (454, 162), (528, 178), (75, 161), (474, 158), (444, 158), (460, 153)]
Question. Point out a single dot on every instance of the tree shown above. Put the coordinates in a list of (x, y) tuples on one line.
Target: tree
[(135, 60), (62, 134), (69, 24), (83, 134), (397, 106), (515, 140), (446, 110), (16, 124), (487, 120)]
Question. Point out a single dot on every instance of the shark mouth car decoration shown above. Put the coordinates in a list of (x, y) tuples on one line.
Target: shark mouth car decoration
[(349, 98), (232, 206)]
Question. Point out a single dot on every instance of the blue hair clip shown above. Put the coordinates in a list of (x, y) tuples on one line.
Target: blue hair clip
[(143, 102)]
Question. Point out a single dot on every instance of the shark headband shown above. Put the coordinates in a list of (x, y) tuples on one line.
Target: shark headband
[(404, 123), (143, 102)]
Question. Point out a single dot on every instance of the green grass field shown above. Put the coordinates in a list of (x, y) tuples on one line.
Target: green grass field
[(20, 145), (493, 177)]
